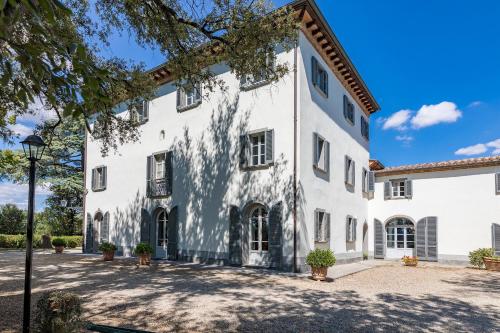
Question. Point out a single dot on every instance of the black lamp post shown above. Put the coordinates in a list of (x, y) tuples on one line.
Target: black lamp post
[(33, 147)]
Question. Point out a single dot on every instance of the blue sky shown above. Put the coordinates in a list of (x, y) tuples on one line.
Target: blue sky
[(433, 66)]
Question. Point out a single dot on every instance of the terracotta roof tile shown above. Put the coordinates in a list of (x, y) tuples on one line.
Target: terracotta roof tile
[(440, 166)]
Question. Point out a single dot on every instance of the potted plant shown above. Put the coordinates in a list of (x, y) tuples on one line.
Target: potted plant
[(410, 261), (143, 251), (320, 260), (492, 263), (59, 244), (477, 257), (108, 250)]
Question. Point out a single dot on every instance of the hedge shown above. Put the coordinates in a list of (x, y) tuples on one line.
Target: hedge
[(19, 241)]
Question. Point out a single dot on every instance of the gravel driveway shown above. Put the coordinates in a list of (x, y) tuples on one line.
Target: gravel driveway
[(190, 298)]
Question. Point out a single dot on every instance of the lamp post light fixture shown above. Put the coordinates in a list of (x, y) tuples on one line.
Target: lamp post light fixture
[(33, 147)]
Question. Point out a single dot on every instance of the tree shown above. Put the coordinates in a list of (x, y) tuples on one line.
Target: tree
[(12, 220), (51, 49), (61, 170)]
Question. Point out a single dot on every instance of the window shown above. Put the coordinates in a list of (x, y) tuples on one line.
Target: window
[(139, 112), (351, 224), (188, 97), (348, 110), (322, 226), (160, 166), (365, 128), (259, 236), (319, 77), (162, 228), (257, 149), (251, 81), (99, 175), (321, 153), (159, 174), (349, 171), (104, 228), (398, 188), (400, 234)]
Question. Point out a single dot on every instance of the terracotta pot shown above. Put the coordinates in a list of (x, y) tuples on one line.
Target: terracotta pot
[(411, 263), (59, 249), (145, 259), (319, 273), (492, 264), (108, 255)]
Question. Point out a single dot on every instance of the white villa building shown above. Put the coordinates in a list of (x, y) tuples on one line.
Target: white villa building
[(262, 173)]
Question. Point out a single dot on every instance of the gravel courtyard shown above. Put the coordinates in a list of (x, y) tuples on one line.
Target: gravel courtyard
[(191, 298)]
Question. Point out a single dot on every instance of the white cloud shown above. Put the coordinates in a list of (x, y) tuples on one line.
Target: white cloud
[(494, 144), (496, 152), (21, 130), (406, 139), (480, 148), (428, 115), (18, 194), (475, 104), (397, 120)]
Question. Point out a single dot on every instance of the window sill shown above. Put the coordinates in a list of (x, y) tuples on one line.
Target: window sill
[(321, 92), (401, 198), (252, 86), (257, 167), (317, 168), (349, 121), (188, 107), (98, 189)]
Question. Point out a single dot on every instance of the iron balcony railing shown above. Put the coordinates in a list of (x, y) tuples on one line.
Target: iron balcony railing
[(159, 187)]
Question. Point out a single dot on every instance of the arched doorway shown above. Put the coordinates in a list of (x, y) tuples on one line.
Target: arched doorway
[(259, 237), (161, 233), (400, 238), (365, 240)]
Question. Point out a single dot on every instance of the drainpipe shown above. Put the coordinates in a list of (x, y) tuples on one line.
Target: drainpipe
[(84, 197), (294, 212)]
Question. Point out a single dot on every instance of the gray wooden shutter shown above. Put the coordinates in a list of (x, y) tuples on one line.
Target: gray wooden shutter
[(145, 221), (104, 179), (431, 234), (197, 92), (244, 151), (495, 234), (181, 97), (169, 171), (379, 240), (327, 227), (497, 183), (89, 237), (364, 180), (353, 173), (387, 190), (420, 243), (355, 228), (269, 146), (145, 111), (326, 83), (173, 234), (327, 156), (316, 226), (347, 229), (104, 234), (346, 107), (94, 179), (314, 69), (235, 230), (243, 80), (152, 232), (149, 175), (371, 181), (346, 171), (276, 235), (408, 188), (315, 150)]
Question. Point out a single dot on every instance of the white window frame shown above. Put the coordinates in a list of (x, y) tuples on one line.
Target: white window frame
[(100, 181), (188, 97), (159, 160), (321, 159), (364, 123), (351, 170), (351, 111), (321, 216), (321, 83), (260, 149), (250, 82), (262, 221), (351, 222), (139, 112), (398, 188)]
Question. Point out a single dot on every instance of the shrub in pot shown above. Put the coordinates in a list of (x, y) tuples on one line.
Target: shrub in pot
[(58, 312), (59, 244), (320, 260), (476, 257), (409, 261), (143, 251), (492, 263), (108, 250)]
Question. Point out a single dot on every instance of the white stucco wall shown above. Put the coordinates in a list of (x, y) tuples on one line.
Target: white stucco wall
[(464, 201), (207, 177), (329, 192)]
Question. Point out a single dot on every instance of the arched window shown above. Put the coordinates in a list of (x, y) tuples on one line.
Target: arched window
[(162, 227), (400, 234), (259, 226)]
